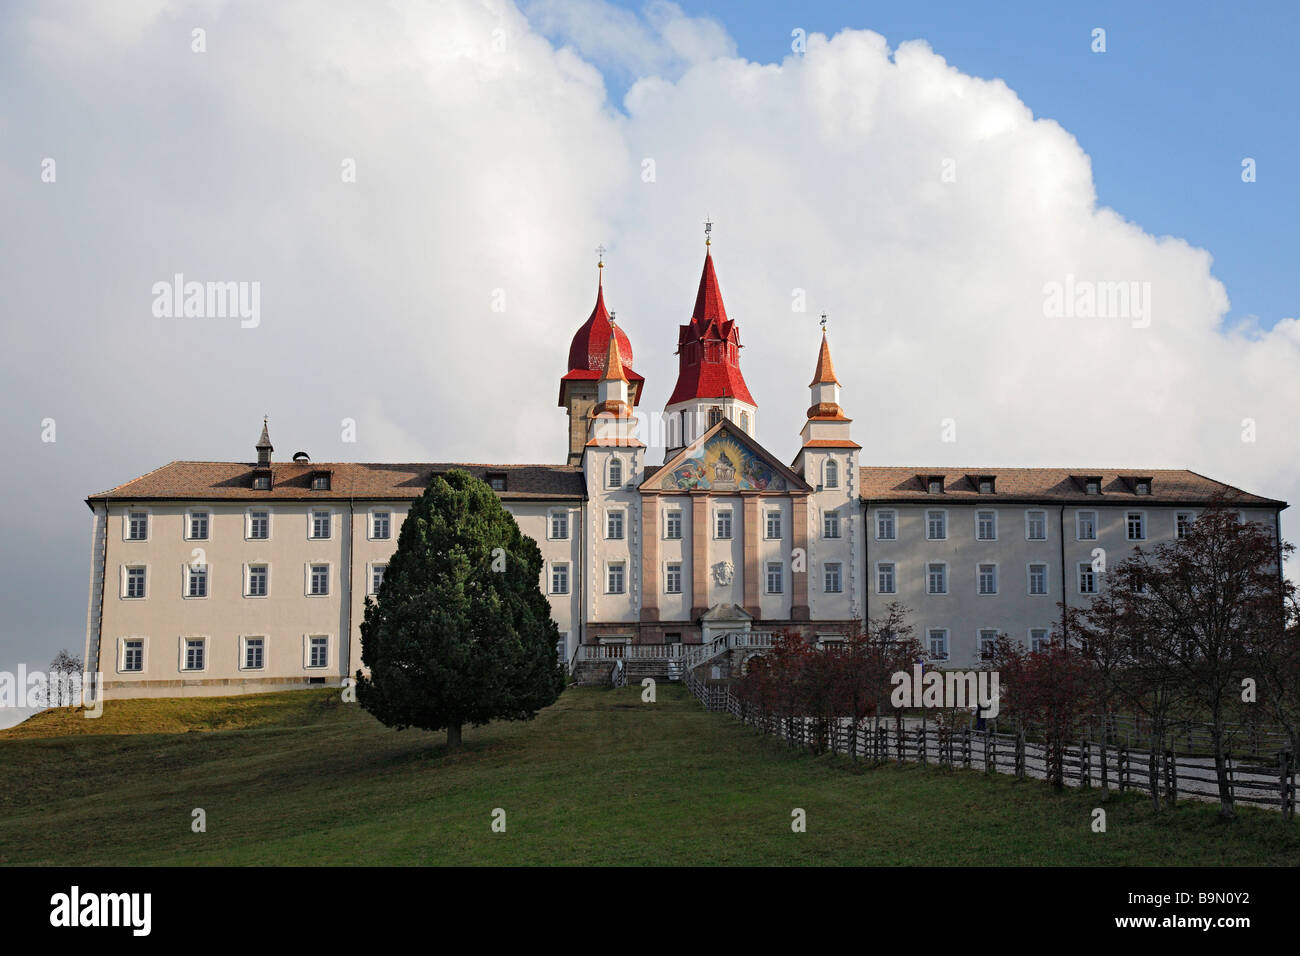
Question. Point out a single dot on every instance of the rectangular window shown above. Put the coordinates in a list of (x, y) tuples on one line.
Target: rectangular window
[(137, 526), (886, 525), (833, 578), (196, 585), (194, 654), (988, 639), (1036, 525), (831, 524), (773, 525), (318, 651), (1182, 523), (938, 644), (560, 578), (133, 655), (1136, 524), (673, 579), (1087, 579), (257, 580), (885, 581), (1038, 639), (722, 524), (937, 579), (381, 525), (262, 482), (199, 526), (936, 525), (135, 582), (559, 525), (988, 578), (320, 524), (775, 577), (1086, 525), (986, 526), (615, 579), (320, 579), (259, 525), (673, 525), (320, 483), (496, 481), (614, 525), (254, 653), (377, 577), (1038, 579)]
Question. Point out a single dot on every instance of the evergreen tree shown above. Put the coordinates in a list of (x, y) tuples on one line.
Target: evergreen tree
[(460, 631)]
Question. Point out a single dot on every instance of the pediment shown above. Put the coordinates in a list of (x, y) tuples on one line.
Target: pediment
[(726, 612), (725, 460)]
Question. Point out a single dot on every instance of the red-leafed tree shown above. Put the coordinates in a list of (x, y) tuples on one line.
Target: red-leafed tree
[(1049, 688)]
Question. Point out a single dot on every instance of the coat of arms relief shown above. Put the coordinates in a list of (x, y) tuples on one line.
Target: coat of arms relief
[(723, 573)]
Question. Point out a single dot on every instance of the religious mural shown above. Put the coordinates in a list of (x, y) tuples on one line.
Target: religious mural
[(724, 464)]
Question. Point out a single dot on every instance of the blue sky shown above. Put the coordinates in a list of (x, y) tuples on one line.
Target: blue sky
[(1182, 94)]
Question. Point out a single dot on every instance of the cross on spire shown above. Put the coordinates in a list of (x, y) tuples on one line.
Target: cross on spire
[(600, 251), (823, 321), (708, 228)]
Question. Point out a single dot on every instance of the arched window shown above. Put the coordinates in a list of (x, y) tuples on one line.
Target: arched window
[(832, 473), (715, 415), (615, 472), (744, 422)]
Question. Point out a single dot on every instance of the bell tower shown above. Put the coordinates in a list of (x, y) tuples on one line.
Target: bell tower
[(589, 354), (710, 386)]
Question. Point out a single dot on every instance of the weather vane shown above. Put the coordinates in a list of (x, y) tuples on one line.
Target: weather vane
[(823, 321), (708, 228)]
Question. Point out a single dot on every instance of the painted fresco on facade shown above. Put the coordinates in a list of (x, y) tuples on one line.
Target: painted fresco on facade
[(724, 464)]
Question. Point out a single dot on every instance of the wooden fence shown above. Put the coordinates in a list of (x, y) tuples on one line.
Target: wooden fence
[(1257, 780)]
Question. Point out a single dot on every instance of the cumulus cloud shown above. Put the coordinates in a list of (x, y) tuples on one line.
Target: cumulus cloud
[(432, 300)]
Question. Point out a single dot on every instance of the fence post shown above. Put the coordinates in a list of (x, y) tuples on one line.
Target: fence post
[(1171, 776), (990, 752), (965, 748), (922, 744), (1232, 777), (1284, 772), (1020, 751), (1085, 763), (1121, 767)]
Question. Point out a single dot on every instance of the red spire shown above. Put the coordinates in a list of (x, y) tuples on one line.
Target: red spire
[(708, 301), (708, 348)]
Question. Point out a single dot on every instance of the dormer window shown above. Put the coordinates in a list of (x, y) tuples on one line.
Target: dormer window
[(1141, 486), (497, 480), (934, 484), (320, 481), (262, 481), (1092, 485), (986, 485)]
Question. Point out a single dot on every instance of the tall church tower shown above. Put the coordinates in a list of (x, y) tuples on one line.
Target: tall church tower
[(588, 359), (709, 386)]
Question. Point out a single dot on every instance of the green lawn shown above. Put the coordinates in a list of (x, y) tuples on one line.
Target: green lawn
[(600, 778)]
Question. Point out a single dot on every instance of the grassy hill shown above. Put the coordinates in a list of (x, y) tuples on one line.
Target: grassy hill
[(600, 778)]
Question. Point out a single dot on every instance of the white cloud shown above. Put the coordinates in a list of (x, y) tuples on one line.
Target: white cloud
[(489, 161)]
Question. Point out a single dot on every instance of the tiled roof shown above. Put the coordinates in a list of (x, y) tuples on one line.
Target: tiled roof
[(217, 480), (1050, 484)]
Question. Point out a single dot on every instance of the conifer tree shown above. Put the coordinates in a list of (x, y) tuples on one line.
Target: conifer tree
[(460, 631)]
